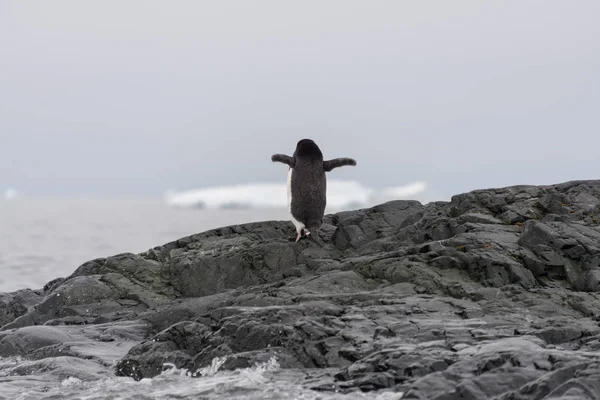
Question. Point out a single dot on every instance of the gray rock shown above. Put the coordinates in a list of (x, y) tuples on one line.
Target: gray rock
[(15, 304), (29, 339), (490, 295)]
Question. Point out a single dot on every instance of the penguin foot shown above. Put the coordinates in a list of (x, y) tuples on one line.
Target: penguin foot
[(300, 235)]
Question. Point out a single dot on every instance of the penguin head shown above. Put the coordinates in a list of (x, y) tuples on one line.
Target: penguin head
[(309, 149)]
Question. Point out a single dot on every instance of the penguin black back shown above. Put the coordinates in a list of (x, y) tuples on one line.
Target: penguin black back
[(307, 185)]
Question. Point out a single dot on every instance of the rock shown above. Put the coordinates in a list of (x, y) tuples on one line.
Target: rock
[(62, 367), (490, 295), (115, 288), (103, 342), (13, 305), (201, 272), (30, 339)]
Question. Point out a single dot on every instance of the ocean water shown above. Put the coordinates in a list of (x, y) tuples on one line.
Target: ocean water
[(259, 382), (42, 238)]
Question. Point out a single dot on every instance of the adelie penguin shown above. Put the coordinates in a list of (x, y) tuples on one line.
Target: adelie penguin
[(307, 185)]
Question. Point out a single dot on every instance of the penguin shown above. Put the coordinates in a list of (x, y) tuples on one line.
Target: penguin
[(307, 185)]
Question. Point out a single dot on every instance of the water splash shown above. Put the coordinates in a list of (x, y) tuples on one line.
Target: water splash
[(266, 380), (170, 369), (213, 368), (70, 381)]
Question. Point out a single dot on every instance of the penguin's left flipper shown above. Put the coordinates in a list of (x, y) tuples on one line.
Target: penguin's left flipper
[(282, 158), (337, 162)]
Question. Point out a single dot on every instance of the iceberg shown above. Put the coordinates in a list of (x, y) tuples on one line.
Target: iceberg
[(409, 190), (341, 194), (10, 194), (249, 195)]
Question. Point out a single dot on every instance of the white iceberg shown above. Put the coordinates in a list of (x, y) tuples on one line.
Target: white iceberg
[(254, 195), (10, 194), (341, 194)]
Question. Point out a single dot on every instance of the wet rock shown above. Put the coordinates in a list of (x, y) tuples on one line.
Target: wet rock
[(29, 339)]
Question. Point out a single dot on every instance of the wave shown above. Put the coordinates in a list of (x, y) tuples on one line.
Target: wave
[(341, 194), (261, 380)]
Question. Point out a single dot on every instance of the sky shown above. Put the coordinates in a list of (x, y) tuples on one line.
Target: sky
[(139, 97)]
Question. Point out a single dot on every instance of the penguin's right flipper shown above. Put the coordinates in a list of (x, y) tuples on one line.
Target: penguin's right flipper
[(337, 162), (282, 158)]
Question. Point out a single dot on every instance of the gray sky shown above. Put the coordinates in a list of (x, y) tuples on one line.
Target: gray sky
[(143, 96)]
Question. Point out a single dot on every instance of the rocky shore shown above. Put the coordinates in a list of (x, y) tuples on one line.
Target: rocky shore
[(491, 295)]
